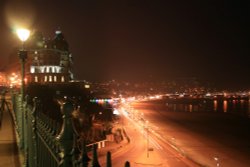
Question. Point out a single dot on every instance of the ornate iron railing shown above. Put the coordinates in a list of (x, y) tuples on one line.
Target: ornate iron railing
[(46, 143)]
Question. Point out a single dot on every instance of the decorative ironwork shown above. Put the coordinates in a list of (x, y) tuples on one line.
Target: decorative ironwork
[(46, 143)]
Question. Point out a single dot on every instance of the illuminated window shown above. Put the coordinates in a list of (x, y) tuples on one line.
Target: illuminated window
[(53, 69), (50, 78), (42, 69), (55, 78), (47, 69), (45, 78), (58, 69), (36, 79), (32, 69), (58, 32), (62, 79)]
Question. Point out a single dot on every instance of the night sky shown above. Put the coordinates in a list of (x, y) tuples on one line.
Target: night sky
[(142, 39)]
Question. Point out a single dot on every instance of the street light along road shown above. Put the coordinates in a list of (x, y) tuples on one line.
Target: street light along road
[(23, 35)]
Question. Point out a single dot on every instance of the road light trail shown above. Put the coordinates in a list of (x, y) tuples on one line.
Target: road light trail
[(145, 134), (156, 140), (146, 148)]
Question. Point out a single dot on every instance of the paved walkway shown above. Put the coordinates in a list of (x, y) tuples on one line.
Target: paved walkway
[(8, 148)]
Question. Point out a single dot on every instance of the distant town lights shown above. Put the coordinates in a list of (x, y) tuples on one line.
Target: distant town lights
[(101, 101), (87, 86), (14, 80)]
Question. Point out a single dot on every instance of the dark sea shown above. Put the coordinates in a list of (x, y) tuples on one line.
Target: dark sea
[(239, 107)]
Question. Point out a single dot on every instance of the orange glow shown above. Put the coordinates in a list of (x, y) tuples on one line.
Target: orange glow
[(190, 108), (14, 80), (215, 105), (225, 105)]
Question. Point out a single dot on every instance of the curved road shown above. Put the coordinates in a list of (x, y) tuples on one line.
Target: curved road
[(146, 147)]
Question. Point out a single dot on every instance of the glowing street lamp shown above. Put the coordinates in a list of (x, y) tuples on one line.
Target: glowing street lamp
[(23, 35)]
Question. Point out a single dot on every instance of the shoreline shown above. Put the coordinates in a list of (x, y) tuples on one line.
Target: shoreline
[(202, 135)]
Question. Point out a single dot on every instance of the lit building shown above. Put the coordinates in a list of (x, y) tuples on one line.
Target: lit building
[(49, 61)]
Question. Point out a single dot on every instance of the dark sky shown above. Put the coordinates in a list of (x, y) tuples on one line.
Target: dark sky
[(142, 39)]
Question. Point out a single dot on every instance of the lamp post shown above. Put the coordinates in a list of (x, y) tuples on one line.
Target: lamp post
[(23, 35)]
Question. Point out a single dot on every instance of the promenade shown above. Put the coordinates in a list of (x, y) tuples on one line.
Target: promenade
[(9, 156)]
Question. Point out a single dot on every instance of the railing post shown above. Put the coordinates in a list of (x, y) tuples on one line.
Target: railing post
[(127, 164), (1, 109), (66, 136), (84, 157), (20, 120), (34, 131), (109, 162), (95, 162), (25, 133)]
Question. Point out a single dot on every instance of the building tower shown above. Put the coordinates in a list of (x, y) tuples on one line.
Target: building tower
[(49, 60)]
